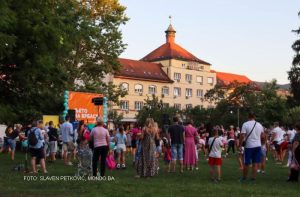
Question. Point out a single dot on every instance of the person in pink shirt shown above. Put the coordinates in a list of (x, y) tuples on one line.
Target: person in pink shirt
[(100, 136), (189, 146), (231, 142), (134, 131)]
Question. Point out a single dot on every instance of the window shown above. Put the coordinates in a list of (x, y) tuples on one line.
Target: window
[(200, 93), (124, 86), (138, 105), (152, 89), (166, 105), (210, 80), (188, 106), (138, 88), (125, 105), (177, 76), (177, 91), (199, 79), (183, 65), (188, 77), (177, 106), (165, 91), (188, 92)]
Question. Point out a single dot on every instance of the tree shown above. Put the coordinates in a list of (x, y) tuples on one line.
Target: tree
[(293, 116), (294, 73), (241, 98), (197, 114), (215, 94), (115, 117), (48, 46), (154, 108), (269, 106)]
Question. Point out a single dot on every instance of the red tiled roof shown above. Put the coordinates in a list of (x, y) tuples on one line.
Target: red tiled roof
[(147, 71), (227, 78), (171, 50)]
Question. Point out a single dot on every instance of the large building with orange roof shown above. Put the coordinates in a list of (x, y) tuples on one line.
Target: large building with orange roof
[(170, 72)]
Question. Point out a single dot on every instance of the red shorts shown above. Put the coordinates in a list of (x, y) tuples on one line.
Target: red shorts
[(284, 145), (214, 161)]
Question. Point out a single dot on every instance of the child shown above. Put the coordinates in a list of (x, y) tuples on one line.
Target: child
[(215, 160), (167, 152), (129, 140), (121, 147), (240, 154), (138, 147), (263, 153)]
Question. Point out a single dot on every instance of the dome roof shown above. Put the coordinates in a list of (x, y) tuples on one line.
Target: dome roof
[(170, 29)]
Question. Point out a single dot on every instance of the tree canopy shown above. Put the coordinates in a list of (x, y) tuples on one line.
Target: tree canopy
[(294, 73), (48, 46)]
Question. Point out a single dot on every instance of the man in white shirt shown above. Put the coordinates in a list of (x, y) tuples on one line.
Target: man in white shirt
[(277, 133), (277, 138), (67, 135), (291, 134), (251, 136)]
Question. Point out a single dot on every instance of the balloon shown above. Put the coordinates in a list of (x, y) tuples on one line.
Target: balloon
[(66, 94), (66, 97), (66, 105)]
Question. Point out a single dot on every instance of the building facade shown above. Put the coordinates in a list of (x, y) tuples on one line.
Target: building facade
[(169, 72)]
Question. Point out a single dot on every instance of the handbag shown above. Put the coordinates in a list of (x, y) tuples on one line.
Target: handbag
[(110, 161), (91, 143), (244, 142)]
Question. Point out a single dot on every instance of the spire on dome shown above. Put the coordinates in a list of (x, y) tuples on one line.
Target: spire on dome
[(170, 32)]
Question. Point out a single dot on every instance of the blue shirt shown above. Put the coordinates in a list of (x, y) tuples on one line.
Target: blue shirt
[(67, 133), (121, 138), (39, 137)]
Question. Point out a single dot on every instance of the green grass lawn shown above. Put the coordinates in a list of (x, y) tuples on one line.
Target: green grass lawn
[(190, 183)]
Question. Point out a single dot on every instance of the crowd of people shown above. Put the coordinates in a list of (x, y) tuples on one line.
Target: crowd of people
[(179, 146)]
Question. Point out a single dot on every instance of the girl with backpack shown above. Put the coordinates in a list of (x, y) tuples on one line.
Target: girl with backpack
[(121, 140)]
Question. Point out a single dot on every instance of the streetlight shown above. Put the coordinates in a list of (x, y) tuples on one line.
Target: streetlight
[(231, 108)]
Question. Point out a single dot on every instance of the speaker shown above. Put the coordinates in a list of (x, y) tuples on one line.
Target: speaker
[(72, 115), (98, 101)]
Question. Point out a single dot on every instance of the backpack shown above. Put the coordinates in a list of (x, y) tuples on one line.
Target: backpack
[(32, 139)]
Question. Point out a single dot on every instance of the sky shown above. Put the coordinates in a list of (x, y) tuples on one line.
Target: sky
[(248, 37)]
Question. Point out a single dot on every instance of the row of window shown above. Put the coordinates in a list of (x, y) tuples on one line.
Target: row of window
[(138, 105), (192, 66), (152, 89), (189, 78)]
